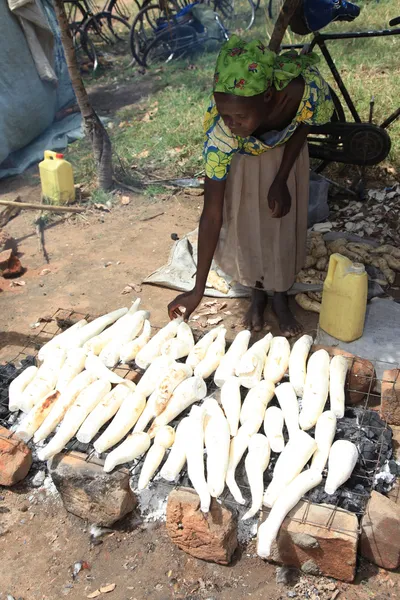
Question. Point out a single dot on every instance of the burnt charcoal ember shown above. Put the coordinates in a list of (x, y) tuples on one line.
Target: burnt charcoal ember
[(353, 500)]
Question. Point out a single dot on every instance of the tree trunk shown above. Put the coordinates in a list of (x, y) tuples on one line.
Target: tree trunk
[(94, 129), (287, 12)]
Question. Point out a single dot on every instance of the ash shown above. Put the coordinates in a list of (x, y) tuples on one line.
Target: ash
[(8, 373)]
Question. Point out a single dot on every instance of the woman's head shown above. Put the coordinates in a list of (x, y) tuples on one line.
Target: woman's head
[(247, 75)]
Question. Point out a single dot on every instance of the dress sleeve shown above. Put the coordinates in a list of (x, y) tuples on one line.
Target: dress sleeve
[(317, 105), (220, 145)]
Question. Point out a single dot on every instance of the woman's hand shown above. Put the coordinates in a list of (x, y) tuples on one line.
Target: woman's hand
[(188, 300), (279, 199)]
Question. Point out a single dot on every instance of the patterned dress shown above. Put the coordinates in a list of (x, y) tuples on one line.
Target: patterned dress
[(254, 247)]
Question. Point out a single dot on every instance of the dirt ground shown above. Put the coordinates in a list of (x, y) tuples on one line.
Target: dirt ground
[(92, 259)]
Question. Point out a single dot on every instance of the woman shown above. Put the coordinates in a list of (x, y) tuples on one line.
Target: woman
[(257, 175)]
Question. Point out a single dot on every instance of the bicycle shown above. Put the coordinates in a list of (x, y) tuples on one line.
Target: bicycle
[(354, 143)]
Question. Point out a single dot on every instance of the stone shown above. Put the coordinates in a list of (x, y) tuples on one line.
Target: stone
[(390, 397), (209, 536), (360, 377), (10, 265), (15, 458), (319, 539), (380, 532), (90, 493)]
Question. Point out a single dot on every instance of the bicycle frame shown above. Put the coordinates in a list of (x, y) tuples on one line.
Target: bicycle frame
[(320, 39)]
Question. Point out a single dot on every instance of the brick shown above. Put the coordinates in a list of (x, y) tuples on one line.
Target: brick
[(211, 536), (360, 377), (380, 532), (390, 397), (90, 493), (15, 458), (325, 544)]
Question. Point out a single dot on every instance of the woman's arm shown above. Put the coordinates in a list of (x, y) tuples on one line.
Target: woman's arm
[(279, 199), (209, 230)]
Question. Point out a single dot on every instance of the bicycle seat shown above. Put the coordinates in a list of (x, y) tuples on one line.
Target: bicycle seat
[(394, 22)]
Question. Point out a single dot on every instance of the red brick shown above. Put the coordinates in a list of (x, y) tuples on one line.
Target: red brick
[(380, 535), (324, 544), (209, 536), (15, 458)]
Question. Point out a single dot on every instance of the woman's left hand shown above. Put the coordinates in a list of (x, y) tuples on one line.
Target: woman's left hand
[(279, 199)]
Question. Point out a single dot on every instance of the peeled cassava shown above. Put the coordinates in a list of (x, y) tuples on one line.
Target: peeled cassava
[(324, 434), (58, 340), (110, 354), (62, 404), (104, 411), (199, 351), (251, 365), (154, 374), (35, 417), (297, 363), (99, 341), (164, 439), (194, 448), (288, 402), (257, 460), (128, 413), (277, 360), (73, 365), (229, 362), (134, 446), (231, 403), (181, 345), (45, 379), (217, 442), (273, 427), (187, 392), (287, 499), (94, 365), (337, 378), (257, 399), (177, 456), (291, 461), (213, 356), (93, 328), (130, 349), (343, 457), (17, 387), (177, 372), (87, 400), (152, 349), (315, 390)]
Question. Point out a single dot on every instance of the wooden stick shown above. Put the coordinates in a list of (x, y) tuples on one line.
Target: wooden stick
[(287, 11), (46, 207)]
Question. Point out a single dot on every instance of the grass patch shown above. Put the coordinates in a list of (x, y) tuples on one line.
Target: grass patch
[(162, 134)]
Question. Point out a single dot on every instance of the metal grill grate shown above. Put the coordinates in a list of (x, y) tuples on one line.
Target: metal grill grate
[(63, 318)]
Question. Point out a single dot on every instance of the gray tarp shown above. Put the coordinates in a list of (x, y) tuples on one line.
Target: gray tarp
[(28, 103)]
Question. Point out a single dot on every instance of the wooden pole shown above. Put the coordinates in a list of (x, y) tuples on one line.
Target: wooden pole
[(287, 11), (42, 207)]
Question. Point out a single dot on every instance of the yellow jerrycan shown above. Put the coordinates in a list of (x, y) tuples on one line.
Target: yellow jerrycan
[(344, 299), (57, 179)]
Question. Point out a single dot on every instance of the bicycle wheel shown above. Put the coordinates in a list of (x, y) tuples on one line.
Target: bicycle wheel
[(123, 8), (177, 42), (236, 15), (108, 33), (84, 49), (274, 8), (147, 24), (76, 12)]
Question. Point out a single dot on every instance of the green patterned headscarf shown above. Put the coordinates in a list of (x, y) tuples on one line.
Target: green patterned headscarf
[(249, 68)]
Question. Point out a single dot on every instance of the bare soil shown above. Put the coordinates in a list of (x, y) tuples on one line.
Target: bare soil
[(92, 259)]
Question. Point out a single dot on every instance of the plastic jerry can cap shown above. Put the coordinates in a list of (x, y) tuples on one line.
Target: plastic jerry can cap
[(357, 268), (58, 155)]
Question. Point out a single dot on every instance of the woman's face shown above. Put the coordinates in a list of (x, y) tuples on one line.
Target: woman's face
[(242, 115)]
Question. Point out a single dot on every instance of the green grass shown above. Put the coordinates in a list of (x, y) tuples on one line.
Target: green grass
[(161, 136)]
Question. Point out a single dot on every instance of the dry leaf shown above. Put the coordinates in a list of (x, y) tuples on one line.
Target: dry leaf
[(127, 290), (125, 200), (94, 594), (108, 588), (214, 321), (102, 207), (150, 115), (143, 154)]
